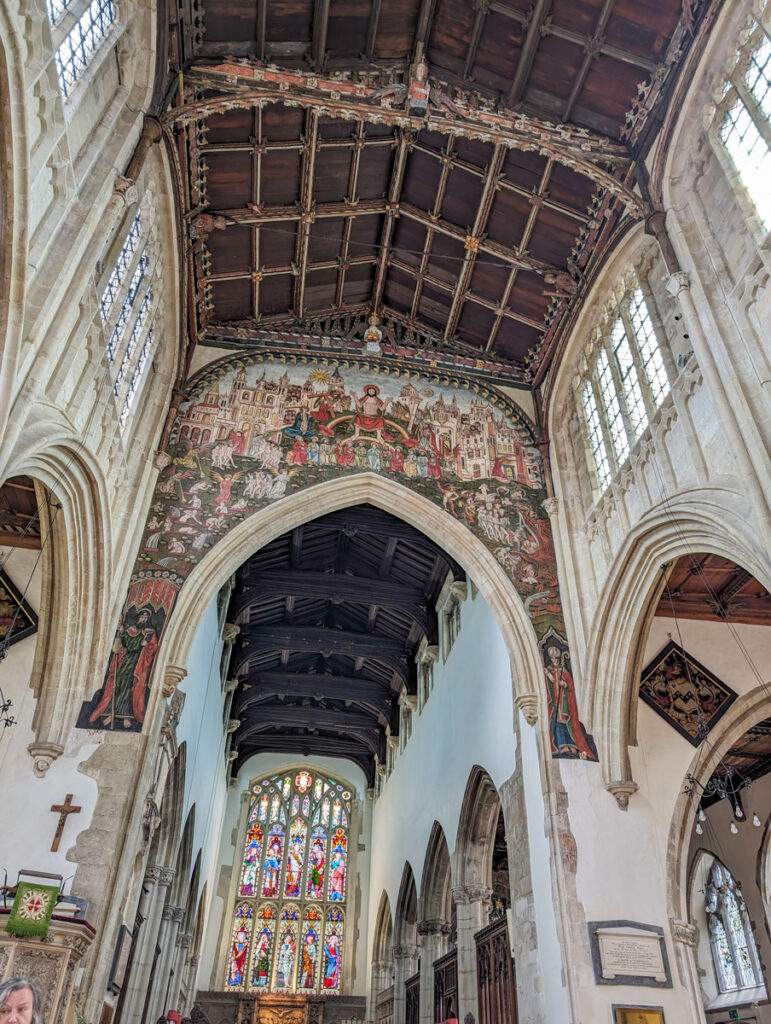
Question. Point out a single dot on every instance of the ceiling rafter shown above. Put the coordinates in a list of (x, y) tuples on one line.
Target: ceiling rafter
[(447, 162), (472, 242), (372, 25), (320, 29), (592, 50), (423, 29), (482, 8), (406, 139), (537, 19), (306, 209), (352, 198)]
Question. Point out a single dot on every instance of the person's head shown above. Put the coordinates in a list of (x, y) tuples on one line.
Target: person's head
[(20, 1002)]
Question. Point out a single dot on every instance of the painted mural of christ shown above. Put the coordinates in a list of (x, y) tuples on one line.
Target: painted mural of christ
[(369, 416)]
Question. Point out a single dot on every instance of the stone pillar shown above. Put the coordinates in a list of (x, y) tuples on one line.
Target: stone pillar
[(151, 903), (684, 938), (171, 919), (178, 968), (472, 905), (381, 979), (405, 965), (430, 938)]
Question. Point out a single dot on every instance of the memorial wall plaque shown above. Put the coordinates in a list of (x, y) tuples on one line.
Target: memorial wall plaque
[(629, 953)]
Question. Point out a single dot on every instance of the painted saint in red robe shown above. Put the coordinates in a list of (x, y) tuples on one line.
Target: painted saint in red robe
[(568, 736), (124, 697)]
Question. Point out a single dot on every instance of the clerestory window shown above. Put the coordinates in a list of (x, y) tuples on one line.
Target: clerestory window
[(625, 381), (75, 52), (126, 311), (289, 917), (743, 122), (734, 952)]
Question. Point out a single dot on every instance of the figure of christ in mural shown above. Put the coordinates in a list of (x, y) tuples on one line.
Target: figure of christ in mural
[(331, 960), (124, 695), (316, 870), (568, 737), (238, 952), (285, 960), (308, 960), (369, 417)]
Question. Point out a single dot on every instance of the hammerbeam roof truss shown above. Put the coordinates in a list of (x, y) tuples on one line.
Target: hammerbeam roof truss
[(331, 616), (473, 230)]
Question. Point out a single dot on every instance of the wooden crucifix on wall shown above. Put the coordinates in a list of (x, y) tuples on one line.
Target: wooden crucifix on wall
[(63, 810)]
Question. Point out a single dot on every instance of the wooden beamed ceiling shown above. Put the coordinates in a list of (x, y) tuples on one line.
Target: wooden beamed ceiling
[(472, 231), (331, 616), (711, 588)]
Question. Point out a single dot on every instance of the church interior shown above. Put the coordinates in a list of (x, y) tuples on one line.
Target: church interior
[(385, 512)]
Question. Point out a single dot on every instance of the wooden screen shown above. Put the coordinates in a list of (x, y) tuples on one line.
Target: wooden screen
[(495, 976), (446, 987), (412, 993)]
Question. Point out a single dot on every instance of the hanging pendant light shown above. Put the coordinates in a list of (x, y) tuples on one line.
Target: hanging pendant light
[(756, 820), (702, 815), (699, 829), (734, 829), (738, 812)]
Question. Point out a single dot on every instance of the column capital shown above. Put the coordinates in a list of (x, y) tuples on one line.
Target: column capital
[(171, 913), (433, 926), (172, 677), (406, 952), (678, 282), (465, 894), (159, 874), (528, 705)]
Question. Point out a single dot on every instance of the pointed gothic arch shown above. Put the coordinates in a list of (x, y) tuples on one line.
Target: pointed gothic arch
[(406, 914), (294, 510), (436, 883), (481, 807), (707, 520)]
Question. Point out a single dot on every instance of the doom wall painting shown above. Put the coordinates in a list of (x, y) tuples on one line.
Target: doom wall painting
[(252, 432)]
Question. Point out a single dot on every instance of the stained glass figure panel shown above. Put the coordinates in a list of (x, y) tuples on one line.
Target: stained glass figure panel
[(273, 858), (295, 859), (251, 864), (239, 946), (333, 950), (316, 864), (262, 954), (338, 862), (309, 951)]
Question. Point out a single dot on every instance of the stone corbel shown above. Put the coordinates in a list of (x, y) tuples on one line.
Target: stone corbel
[(43, 756), (230, 631), (528, 705), (232, 756), (126, 190), (622, 789), (459, 590), (172, 677), (683, 932), (233, 724), (231, 685)]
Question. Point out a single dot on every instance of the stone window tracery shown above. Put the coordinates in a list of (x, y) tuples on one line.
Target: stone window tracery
[(743, 121), (623, 382), (75, 52), (289, 919), (733, 946)]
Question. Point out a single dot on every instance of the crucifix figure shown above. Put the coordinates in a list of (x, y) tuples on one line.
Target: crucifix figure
[(62, 810)]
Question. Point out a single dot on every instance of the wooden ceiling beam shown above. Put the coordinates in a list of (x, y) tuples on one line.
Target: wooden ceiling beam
[(406, 138), (448, 161), (313, 719), (374, 19), (482, 7), (356, 589), (262, 18), (309, 745), (246, 275), (283, 714), (471, 245), (317, 640), (502, 252), (320, 29), (423, 29), (538, 16), (592, 50), (18, 540), (352, 198), (291, 212), (306, 210), (311, 683)]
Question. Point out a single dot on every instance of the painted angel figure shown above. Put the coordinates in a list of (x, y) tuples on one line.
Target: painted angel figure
[(417, 93)]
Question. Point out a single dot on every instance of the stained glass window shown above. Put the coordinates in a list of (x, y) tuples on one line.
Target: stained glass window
[(288, 928), (733, 944), (75, 53), (744, 127), (625, 383)]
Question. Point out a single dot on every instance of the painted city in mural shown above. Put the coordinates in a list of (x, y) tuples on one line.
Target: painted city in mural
[(253, 432)]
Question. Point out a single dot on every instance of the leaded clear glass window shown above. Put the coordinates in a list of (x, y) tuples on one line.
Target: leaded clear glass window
[(733, 945), (289, 919), (74, 54), (743, 125), (130, 340), (625, 381)]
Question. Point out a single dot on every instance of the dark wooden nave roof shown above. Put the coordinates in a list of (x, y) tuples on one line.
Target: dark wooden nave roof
[(331, 616), (333, 204)]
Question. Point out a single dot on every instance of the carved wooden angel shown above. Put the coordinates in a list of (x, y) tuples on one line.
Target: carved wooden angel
[(418, 94)]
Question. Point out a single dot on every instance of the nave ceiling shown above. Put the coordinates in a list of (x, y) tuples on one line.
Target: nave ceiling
[(313, 194), (331, 616)]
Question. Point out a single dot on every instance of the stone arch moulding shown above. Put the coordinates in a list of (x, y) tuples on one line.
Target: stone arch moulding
[(704, 520), (745, 712), (437, 882), (260, 446), (476, 833)]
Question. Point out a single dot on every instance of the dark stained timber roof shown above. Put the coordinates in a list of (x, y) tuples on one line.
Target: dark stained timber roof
[(471, 230), (331, 617)]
